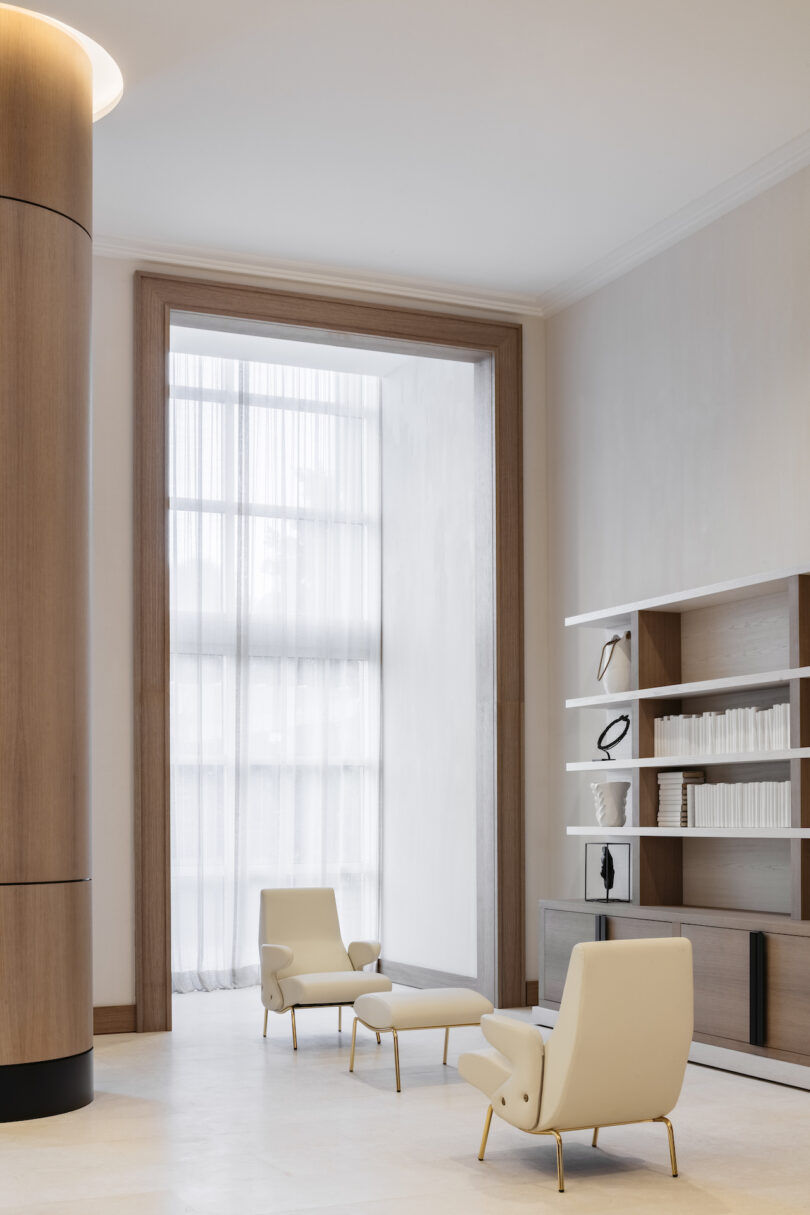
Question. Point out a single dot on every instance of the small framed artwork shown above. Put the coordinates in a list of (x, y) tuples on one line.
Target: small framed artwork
[(607, 873)]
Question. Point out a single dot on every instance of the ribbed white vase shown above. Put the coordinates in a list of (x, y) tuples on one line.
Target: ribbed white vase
[(610, 798)]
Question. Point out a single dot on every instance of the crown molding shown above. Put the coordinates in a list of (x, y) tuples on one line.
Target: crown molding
[(764, 173), (341, 279)]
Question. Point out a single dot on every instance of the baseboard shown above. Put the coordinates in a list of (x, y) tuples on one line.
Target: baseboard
[(114, 1019), (532, 992)]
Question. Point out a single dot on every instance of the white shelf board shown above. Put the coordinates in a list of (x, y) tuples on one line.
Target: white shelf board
[(737, 833), (684, 601), (701, 687), (686, 761)]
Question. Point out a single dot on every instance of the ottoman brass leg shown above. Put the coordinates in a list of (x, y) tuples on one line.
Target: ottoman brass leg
[(446, 1040), (396, 1057), (354, 1040), (295, 1036), (340, 1019), (264, 1032), (379, 1039), (595, 1136)]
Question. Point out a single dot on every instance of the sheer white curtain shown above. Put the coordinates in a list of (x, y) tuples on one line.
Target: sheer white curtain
[(274, 543)]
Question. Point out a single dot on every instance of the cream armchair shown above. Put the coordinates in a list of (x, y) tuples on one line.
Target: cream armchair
[(617, 1053), (304, 963)]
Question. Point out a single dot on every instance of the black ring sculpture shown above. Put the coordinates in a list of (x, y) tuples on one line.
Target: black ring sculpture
[(607, 746)]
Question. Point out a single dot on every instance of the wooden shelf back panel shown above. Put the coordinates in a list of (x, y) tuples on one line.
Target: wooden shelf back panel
[(656, 648), (741, 637), (46, 1001)]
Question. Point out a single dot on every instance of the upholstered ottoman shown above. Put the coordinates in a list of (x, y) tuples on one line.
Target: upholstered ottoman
[(429, 1008)]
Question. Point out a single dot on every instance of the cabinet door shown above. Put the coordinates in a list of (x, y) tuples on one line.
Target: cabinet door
[(721, 967), (631, 928), (787, 986), (562, 930)]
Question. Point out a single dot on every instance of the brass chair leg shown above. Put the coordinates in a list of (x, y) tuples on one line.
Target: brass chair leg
[(560, 1173), (295, 1036), (340, 1019), (379, 1039), (354, 1040), (595, 1136), (672, 1158), (483, 1147), (396, 1057), (446, 1039), (264, 1032)]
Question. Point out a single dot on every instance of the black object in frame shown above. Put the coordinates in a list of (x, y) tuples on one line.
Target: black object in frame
[(607, 873)]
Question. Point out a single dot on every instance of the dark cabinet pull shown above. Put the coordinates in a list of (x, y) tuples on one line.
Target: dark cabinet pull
[(756, 988), (600, 927)]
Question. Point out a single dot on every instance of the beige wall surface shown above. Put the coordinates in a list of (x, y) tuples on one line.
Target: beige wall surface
[(678, 441), (111, 625)]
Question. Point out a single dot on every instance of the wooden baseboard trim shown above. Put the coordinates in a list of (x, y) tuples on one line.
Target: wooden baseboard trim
[(114, 1019), (532, 993)]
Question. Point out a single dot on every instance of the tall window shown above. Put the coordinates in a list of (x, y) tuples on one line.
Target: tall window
[(274, 549)]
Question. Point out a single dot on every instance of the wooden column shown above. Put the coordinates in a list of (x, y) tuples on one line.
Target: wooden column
[(45, 250)]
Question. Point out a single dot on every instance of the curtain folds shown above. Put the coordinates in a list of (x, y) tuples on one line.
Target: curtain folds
[(274, 550)]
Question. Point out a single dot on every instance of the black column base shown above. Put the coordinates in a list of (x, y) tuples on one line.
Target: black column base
[(53, 1086)]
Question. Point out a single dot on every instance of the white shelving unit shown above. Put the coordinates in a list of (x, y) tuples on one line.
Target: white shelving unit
[(742, 643)]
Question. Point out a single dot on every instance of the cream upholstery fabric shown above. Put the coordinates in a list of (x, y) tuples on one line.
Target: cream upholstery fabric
[(418, 1009), (618, 1051), (340, 987), (514, 1070), (299, 937), (363, 952)]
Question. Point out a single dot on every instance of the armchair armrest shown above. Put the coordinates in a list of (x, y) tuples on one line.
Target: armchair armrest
[(518, 1098), (362, 952), (273, 959)]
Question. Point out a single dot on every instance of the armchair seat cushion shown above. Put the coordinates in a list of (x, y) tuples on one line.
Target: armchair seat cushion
[(331, 987), (422, 1008)]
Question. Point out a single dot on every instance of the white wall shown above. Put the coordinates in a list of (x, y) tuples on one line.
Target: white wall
[(112, 547), (678, 441), (429, 889)]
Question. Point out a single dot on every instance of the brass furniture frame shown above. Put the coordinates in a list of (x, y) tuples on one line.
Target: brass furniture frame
[(396, 1032), (558, 1140)]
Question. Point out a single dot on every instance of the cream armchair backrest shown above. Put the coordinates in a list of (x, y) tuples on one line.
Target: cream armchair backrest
[(305, 920), (618, 1051)]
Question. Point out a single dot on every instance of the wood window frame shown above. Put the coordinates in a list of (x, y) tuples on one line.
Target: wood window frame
[(157, 296)]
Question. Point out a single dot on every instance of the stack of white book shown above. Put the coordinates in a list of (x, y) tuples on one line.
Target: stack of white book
[(673, 789), (732, 732), (758, 804)]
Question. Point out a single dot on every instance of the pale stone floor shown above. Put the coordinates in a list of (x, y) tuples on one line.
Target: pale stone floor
[(213, 1120)]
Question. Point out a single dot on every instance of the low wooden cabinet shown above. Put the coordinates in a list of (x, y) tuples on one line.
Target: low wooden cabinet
[(726, 973)]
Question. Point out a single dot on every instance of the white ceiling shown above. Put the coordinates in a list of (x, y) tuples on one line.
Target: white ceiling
[(523, 148)]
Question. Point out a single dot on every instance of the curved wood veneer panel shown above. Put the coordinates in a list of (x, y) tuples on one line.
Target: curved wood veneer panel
[(44, 439), (46, 105), (46, 1006)]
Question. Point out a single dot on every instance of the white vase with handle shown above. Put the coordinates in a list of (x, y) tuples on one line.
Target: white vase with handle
[(610, 798), (614, 664)]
